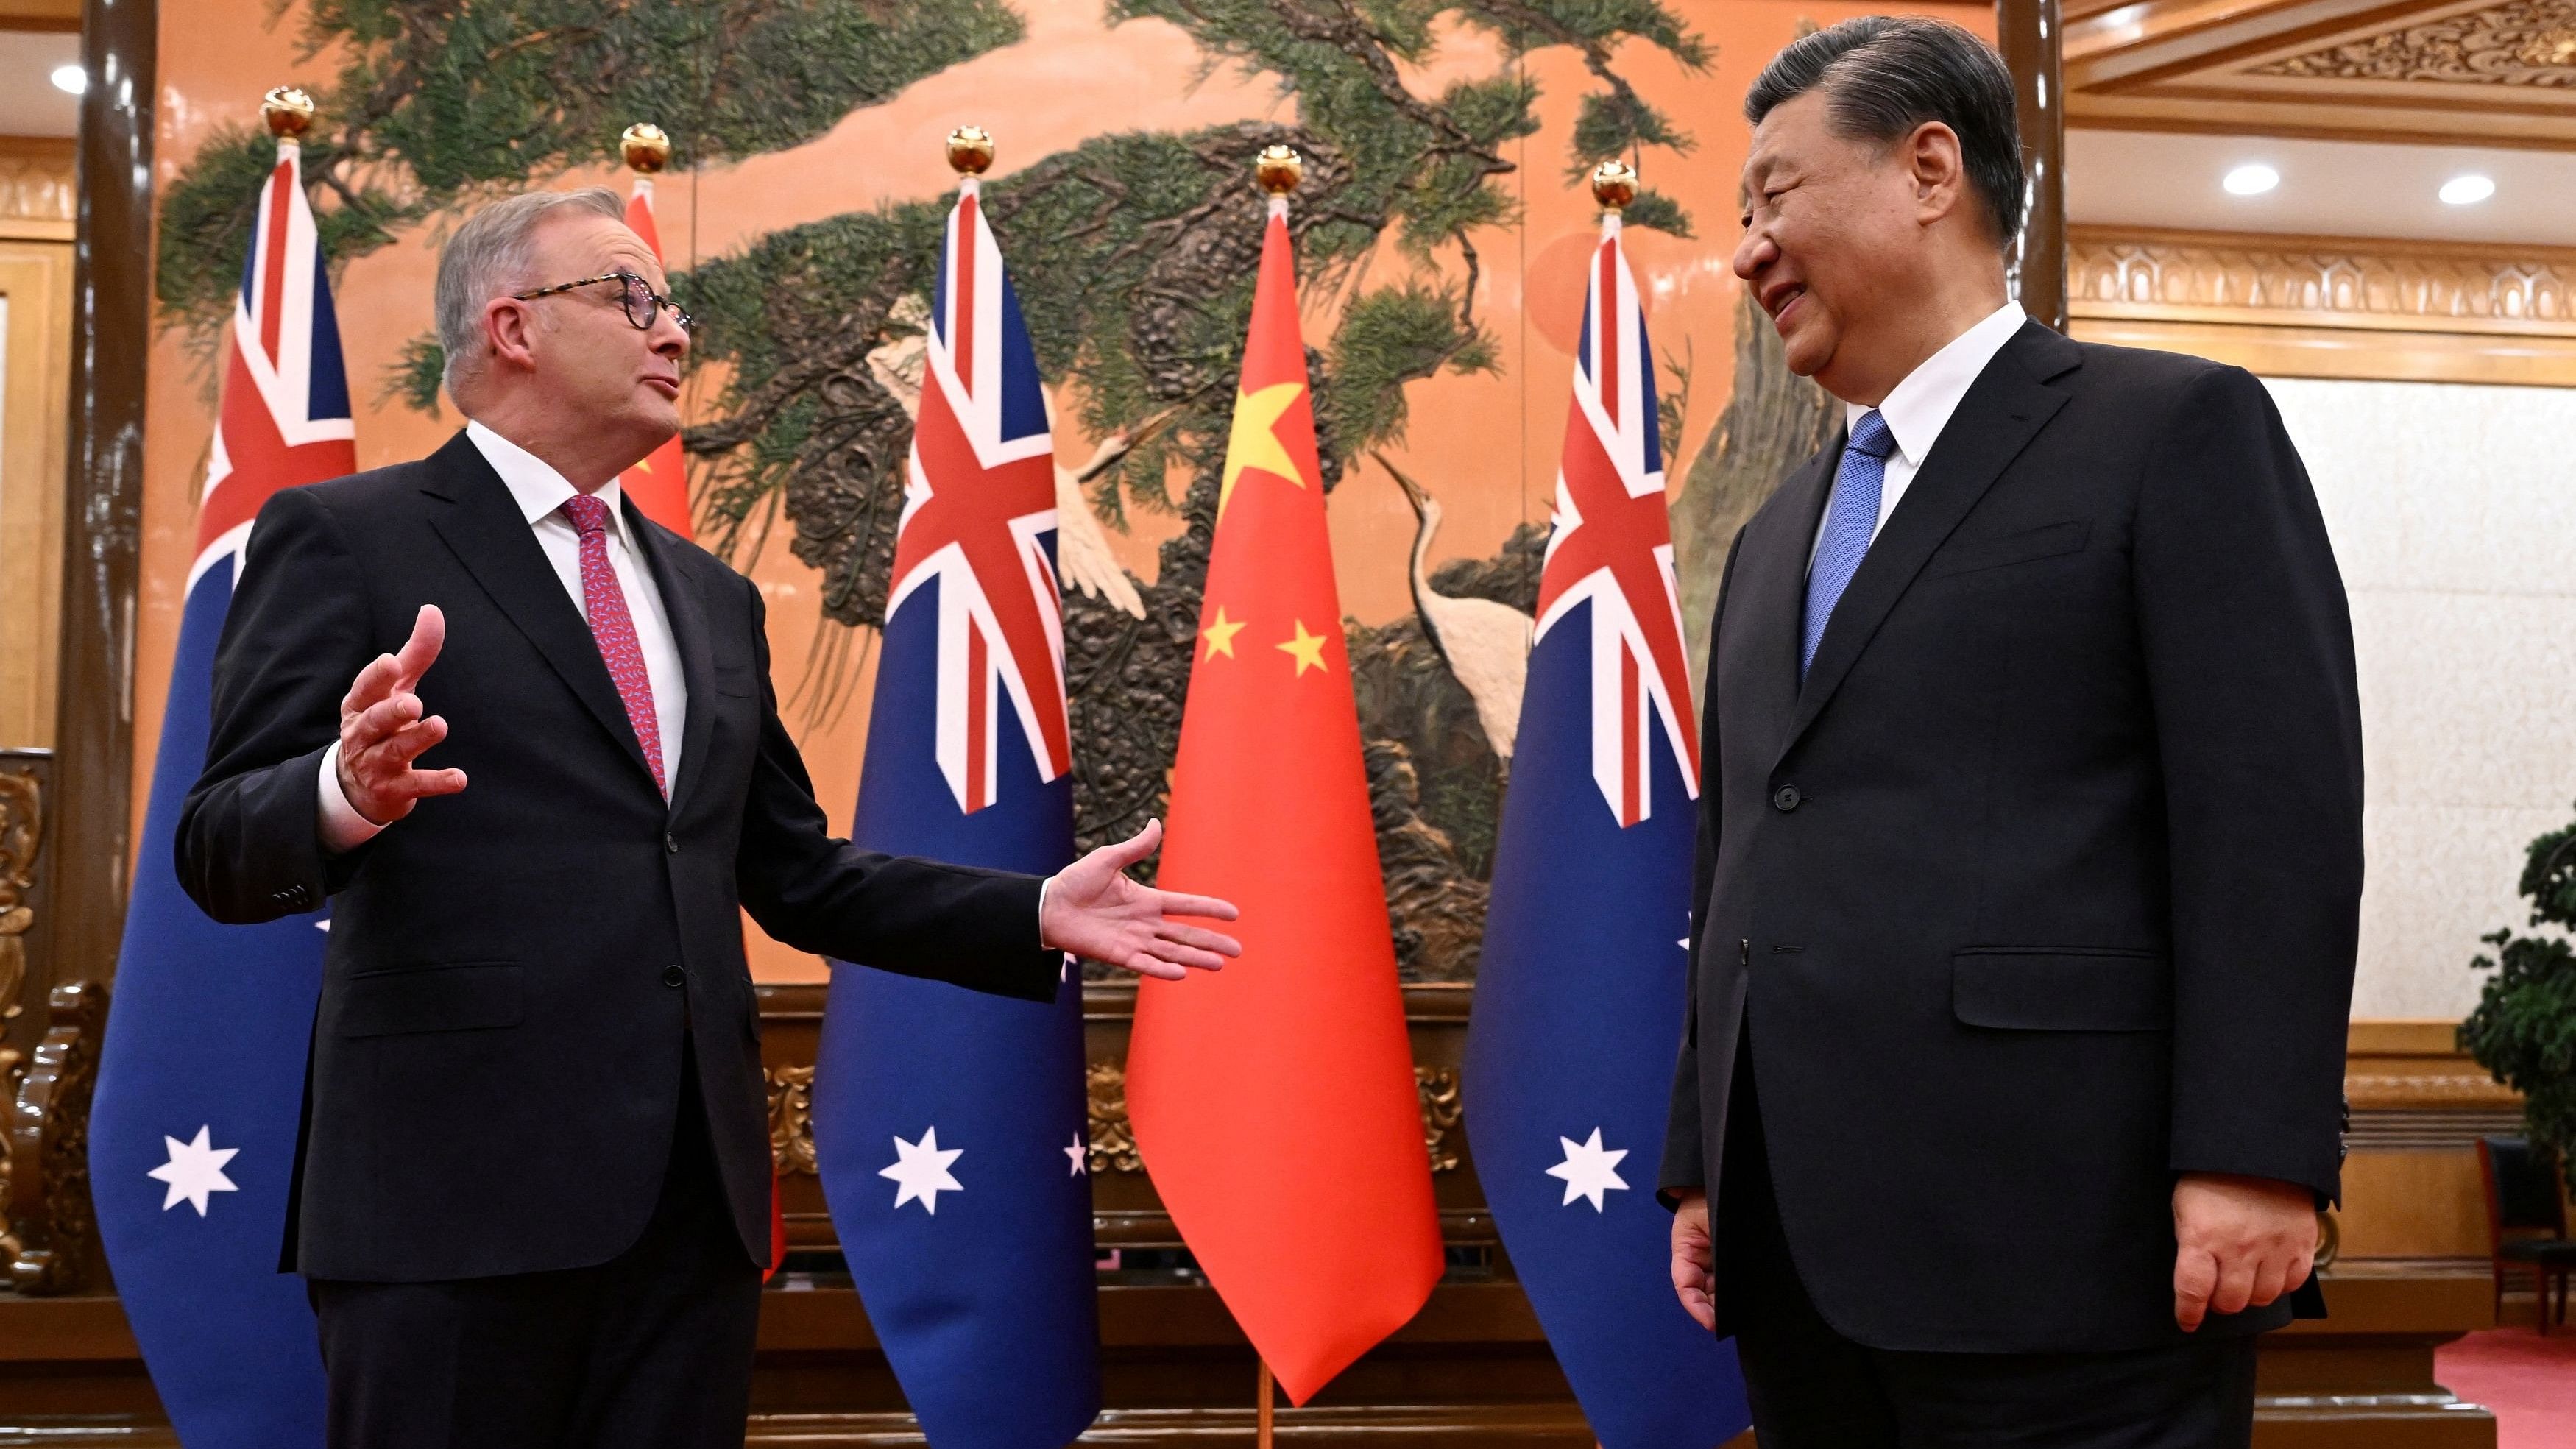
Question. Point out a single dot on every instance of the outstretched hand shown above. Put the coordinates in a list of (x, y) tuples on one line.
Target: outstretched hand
[(382, 731), (1094, 910)]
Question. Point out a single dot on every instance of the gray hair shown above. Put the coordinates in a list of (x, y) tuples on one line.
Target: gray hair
[(490, 256)]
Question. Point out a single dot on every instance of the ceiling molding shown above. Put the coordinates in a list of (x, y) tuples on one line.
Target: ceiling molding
[(2331, 306), (42, 16), (2461, 72)]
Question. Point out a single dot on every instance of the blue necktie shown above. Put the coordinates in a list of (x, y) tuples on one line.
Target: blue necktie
[(1850, 519)]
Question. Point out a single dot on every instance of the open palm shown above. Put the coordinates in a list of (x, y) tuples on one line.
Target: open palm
[(1093, 909)]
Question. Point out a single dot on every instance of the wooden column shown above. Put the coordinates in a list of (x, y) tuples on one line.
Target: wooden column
[(102, 517), (2027, 33)]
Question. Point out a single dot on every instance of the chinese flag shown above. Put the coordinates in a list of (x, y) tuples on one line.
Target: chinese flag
[(1274, 1102), (660, 484), (660, 487)]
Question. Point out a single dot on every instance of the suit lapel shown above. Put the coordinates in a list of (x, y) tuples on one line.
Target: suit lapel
[(677, 580), (482, 527), (1771, 585), (2003, 410)]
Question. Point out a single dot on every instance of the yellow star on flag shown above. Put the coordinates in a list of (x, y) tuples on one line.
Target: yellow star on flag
[(1307, 649), (1220, 635), (1254, 442)]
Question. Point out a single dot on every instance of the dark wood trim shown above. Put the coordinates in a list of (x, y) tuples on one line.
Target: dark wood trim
[(2030, 35), (103, 513)]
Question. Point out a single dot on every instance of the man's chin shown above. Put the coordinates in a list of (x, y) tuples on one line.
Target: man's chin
[(1806, 348)]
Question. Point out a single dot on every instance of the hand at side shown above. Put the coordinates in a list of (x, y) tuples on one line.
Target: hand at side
[(1695, 1260), (2240, 1242), (1093, 909), (382, 731)]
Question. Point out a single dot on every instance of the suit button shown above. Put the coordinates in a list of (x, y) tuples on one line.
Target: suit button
[(670, 842), (672, 976), (1786, 799)]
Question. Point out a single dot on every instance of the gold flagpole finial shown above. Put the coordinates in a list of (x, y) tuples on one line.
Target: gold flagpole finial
[(1614, 185), (1278, 169), (970, 150), (647, 147), (287, 110)]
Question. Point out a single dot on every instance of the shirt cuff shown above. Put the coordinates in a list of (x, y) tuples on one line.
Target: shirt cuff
[(341, 826), (1044, 886)]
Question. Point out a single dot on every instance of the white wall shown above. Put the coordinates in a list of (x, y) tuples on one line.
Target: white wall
[(2453, 511)]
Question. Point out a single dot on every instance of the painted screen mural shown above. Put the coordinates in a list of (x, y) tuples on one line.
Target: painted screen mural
[(1443, 229)]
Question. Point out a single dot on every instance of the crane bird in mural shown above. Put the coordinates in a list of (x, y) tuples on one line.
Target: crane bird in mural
[(1485, 644), (1083, 558)]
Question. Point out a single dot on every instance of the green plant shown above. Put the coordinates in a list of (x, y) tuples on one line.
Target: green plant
[(2524, 1029)]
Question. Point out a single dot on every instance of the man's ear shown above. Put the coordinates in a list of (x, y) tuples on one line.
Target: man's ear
[(507, 327), (1939, 168)]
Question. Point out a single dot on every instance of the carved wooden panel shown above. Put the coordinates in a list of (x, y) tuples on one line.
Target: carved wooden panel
[(2524, 42)]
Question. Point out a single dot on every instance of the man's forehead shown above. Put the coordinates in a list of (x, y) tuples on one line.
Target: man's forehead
[(602, 245)]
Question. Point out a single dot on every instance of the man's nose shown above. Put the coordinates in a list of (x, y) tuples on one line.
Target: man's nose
[(1755, 252), (667, 337)]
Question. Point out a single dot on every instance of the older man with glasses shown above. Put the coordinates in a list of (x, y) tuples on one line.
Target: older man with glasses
[(532, 1192)]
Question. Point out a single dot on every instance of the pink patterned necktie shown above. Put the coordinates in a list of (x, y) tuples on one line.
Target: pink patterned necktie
[(614, 628)]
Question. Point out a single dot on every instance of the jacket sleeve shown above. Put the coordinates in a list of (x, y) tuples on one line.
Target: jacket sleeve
[(1683, 1167), (248, 847), (2247, 643), (810, 890)]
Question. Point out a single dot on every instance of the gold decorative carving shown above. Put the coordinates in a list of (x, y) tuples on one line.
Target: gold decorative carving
[(49, 1205), (791, 1119), (2523, 42), (1113, 1139), (2320, 281), (1442, 1111), (22, 834), (2429, 1091)]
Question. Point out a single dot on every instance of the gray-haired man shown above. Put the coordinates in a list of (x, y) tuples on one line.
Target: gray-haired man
[(532, 1193)]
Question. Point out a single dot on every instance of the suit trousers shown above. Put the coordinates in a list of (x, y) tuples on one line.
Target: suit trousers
[(1812, 1388), (650, 1350)]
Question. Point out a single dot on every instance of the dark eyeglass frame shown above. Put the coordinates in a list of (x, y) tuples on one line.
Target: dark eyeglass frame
[(634, 286)]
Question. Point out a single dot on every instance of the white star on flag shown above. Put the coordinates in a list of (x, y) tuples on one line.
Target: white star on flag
[(920, 1170), (1078, 1156), (1588, 1171), (195, 1171)]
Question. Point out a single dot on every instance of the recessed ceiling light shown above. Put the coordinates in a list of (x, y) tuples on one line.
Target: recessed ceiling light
[(2251, 180), (71, 79), (2468, 190)]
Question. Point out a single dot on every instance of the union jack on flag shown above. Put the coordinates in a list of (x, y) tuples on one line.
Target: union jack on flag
[(285, 418), (1581, 992), (978, 512), (201, 1081), (1613, 546), (950, 1127)]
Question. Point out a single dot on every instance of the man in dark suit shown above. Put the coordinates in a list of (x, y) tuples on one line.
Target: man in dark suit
[(532, 1187), (2030, 851)]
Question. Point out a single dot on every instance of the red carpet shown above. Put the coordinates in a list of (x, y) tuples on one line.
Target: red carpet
[(2528, 1380)]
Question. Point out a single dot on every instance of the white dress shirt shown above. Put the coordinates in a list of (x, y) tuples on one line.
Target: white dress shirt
[(541, 492), (1917, 409)]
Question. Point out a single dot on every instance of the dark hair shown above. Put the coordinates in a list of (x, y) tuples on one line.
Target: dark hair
[(1885, 75)]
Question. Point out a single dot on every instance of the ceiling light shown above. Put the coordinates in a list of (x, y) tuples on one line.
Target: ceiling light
[(70, 78), (2468, 190), (2251, 180)]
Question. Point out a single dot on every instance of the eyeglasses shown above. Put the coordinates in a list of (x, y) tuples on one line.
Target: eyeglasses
[(643, 304)]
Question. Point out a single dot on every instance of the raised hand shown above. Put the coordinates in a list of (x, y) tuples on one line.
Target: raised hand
[(1695, 1260), (382, 731), (1093, 909), (2239, 1243)]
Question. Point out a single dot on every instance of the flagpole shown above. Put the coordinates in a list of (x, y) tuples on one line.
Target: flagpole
[(1263, 1414)]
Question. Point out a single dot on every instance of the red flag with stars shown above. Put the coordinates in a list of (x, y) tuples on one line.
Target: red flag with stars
[(1274, 1102), (660, 484)]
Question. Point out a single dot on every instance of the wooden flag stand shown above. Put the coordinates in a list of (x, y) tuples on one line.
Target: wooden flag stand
[(1262, 1414)]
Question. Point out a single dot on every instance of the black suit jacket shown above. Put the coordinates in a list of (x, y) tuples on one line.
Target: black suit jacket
[(515, 971), (2044, 886)]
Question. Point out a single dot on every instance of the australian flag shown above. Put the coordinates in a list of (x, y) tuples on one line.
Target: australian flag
[(950, 1126), (201, 1081), (1580, 997)]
